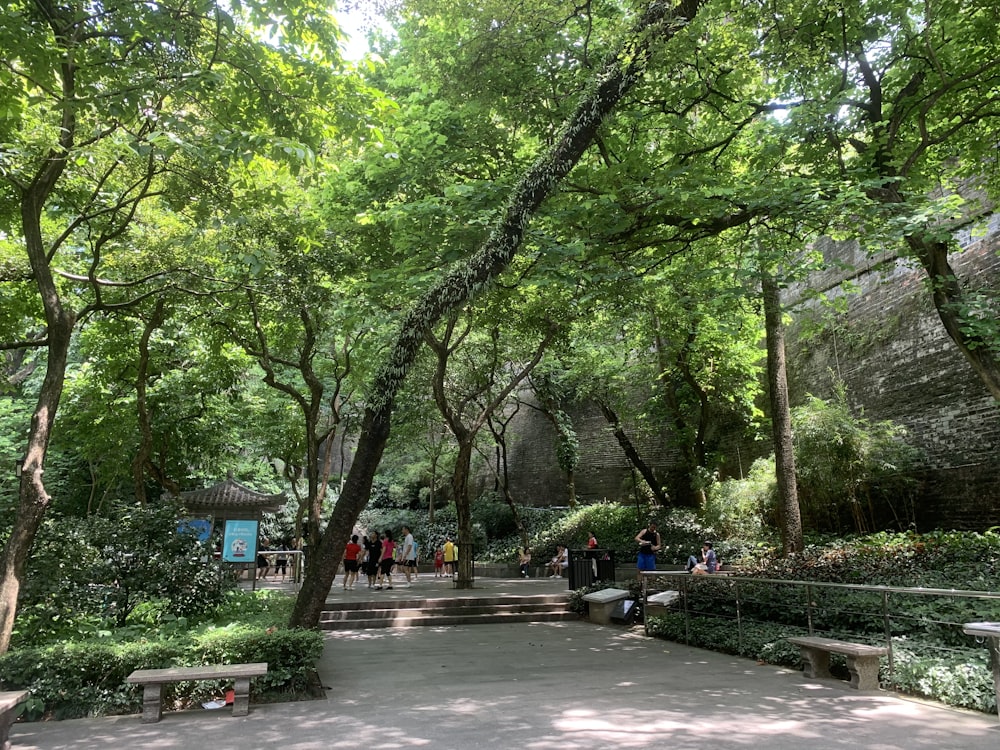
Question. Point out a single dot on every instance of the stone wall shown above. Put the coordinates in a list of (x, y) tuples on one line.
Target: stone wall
[(892, 352), (897, 362)]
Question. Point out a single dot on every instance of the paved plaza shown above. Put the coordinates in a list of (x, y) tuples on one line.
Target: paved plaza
[(538, 686)]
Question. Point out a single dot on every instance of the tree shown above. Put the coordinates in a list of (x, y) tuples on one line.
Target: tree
[(468, 407), (106, 112), (617, 77), (781, 424), (898, 103)]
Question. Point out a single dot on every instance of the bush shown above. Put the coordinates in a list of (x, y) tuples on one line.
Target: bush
[(90, 574), (852, 473), (741, 508), (87, 677)]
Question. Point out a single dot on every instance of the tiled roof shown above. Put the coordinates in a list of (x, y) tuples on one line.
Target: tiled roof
[(231, 495)]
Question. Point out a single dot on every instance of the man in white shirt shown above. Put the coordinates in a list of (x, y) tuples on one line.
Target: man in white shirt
[(409, 555)]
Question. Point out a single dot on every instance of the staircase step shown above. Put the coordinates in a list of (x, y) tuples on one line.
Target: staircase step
[(449, 620), (413, 612)]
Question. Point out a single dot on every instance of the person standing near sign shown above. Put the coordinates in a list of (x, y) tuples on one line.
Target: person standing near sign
[(649, 545), (263, 561)]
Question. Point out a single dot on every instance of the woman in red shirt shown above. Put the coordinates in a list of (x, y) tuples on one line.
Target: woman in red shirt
[(387, 561), (351, 554)]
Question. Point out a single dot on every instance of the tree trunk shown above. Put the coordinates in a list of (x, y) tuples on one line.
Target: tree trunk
[(33, 500), (632, 454), (617, 77), (144, 455), (781, 420), (463, 508), (949, 301)]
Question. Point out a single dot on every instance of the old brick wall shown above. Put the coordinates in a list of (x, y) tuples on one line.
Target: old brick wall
[(897, 362), (892, 352)]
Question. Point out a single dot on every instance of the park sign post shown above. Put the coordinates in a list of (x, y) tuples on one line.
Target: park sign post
[(239, 542)]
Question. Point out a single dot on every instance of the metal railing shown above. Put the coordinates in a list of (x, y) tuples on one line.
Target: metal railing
[(875, 614)]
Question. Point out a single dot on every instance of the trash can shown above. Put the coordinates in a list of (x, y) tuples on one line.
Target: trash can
[(580, 569), (588, 566)]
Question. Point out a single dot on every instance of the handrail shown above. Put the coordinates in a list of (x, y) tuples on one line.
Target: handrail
[(884, 610), (967, 593)]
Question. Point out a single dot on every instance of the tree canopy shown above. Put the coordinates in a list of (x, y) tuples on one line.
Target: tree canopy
[(223, 245)]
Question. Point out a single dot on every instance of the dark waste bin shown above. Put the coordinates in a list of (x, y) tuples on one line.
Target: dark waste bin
[(588, 566)]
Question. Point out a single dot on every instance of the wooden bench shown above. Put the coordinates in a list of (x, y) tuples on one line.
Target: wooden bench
[(153, 681), (862, 660), (9, 701)]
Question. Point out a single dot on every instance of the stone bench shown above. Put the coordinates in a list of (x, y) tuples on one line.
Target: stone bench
[(9, 701), (657, 605), (602, 604), (153, 681), (862, 660)]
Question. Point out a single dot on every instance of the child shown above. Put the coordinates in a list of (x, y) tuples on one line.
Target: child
[(439, 562)]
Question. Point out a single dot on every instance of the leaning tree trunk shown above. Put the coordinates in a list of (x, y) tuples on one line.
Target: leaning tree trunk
[(946, 291), (633, 454), (781, 420), (616, 78)]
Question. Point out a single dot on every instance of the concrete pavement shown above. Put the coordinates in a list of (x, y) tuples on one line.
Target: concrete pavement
[(538, 686)]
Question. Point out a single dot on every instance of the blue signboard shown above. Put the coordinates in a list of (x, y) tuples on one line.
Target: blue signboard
[(239, 543), (201, 528)]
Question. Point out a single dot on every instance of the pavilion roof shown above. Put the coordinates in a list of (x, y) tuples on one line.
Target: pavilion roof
[(230, 499)]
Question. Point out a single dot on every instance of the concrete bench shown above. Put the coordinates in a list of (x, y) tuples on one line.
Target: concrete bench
[(153, 681), (862, 660), (9, 701), (602, 604), (657, 605)]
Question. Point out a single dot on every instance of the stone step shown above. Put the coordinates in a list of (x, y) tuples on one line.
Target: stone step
[(371, 600), (411, 612), (483, 609), (449, 620)]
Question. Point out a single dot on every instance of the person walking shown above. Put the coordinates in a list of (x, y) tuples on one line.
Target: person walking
[(263, 560), (387, 560), (409, 556), (281, 562), (524, 561), (649, 545), (351, 554), (373, 553)]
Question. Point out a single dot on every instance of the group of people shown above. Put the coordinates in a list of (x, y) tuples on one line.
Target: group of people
[(265, 553), (650, 543), (378, 556)]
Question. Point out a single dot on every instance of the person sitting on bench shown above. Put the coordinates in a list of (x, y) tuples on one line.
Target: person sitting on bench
[(708, 563), (560, 562)]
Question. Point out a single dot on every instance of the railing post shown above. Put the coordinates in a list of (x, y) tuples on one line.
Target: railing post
[(645, 605), (809, 608), (739, 618), (887, 623), (687, 613)]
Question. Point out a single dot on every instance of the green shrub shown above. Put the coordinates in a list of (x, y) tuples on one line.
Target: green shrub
[(739, 509), (87, 677)]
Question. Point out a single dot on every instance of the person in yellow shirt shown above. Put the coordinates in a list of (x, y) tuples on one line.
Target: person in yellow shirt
[(450, 556)]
